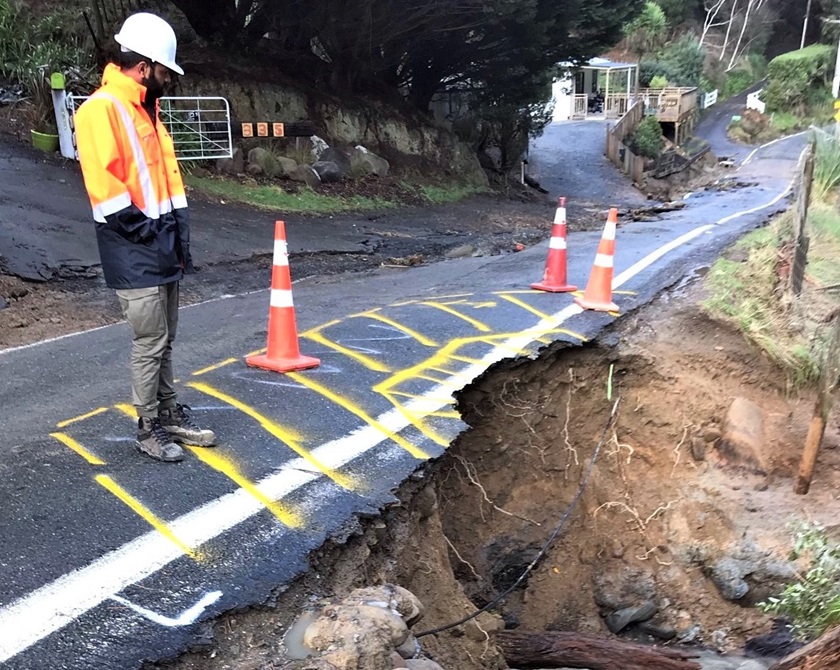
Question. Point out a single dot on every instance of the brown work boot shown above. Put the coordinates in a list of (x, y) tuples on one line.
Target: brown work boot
[(181, 428), (154, 441)]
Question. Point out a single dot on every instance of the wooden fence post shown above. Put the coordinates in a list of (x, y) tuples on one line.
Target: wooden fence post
[(822, 408), (801, 241)]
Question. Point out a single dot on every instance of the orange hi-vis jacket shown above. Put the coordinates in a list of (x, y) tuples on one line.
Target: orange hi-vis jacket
[(135, 186)]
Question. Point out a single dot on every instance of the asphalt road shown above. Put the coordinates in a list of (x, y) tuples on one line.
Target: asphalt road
[(108, 559)]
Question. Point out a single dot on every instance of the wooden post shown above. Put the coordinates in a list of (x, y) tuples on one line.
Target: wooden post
[(822, 408), (803, 199)]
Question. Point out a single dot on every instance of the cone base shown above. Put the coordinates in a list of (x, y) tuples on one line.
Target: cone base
[(560, 288), (596, 305), (263, 362)]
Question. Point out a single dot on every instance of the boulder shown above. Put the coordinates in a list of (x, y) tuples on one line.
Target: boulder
[(234, 165), (319, 146), (254, 169), (617, 586), (378, 165), (306, 175), (741, 444), (337, 156), (389, 596), (287, 165), (422, 664), (256, 156), (328, 171), (356, 637)]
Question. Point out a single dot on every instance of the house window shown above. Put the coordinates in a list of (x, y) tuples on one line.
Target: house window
[(580, 83)]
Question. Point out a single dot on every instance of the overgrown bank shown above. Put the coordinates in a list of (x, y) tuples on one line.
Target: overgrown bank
[(664, 523)]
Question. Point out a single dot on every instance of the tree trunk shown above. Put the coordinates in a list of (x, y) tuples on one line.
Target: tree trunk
[(579, 650), (822, 654)]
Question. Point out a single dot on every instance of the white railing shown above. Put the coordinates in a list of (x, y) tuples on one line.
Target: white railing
[(755, 102), (581, 106), (710, 99), (200, 127)]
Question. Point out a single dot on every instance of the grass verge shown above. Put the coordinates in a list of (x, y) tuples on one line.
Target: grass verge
[(272, 197), (743, 289)]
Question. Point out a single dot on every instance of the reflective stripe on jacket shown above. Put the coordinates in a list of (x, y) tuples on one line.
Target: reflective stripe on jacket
[(135, 187)]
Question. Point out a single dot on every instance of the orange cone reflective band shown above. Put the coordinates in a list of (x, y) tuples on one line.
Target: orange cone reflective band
[(598, 294), (283, 353), (554, 279)]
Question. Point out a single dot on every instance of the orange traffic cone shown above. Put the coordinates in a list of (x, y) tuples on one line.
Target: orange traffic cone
[(283, 354), (598, 294), (554, 279)]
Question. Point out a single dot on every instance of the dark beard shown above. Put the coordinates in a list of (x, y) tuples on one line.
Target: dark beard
[(154, 89)]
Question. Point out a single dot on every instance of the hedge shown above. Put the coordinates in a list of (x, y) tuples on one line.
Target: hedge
[(794, 75)]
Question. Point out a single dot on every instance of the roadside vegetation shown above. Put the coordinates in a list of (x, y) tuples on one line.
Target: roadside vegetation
[(812, 605), (300, 199), (748, 286)]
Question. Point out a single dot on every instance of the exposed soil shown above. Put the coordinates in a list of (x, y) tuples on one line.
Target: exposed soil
[(650, 523)]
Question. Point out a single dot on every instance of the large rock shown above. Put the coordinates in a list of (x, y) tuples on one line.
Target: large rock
[(376, 164), (306, 175), (742, 442), (256, 156), (234, 165), (356, 637), (617, 586), (319, 146), (422, 664), (287, 165), (328, 171), (389, 596), (337, 156)]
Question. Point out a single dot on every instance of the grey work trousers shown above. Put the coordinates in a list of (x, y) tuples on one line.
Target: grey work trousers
[(152, 314)]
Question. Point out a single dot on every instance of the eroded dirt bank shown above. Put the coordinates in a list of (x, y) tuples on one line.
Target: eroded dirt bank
[(662, 521)]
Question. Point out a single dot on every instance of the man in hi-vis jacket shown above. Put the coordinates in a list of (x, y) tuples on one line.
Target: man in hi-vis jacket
[(142, 222)]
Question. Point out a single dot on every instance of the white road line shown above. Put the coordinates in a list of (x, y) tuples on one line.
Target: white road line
[(749, 158), (53, 606)]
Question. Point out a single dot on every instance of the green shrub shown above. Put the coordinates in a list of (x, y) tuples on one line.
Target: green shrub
[(659, 82), (826, 168), (813, 603), (797, 76), (647, 140), (737, 81), (684, 59)]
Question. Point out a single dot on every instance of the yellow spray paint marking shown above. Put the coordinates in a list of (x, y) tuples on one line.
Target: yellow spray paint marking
[(68, 441), (82, 417), (210, 368), (533, 310), (359, 412), (286, 436), (216, 460), (147, 515), (446, 308), (473, 304), (625, 293), (373, 314), (453, 414), (443, 370), (316, 336), (524, 305), (413, 396), (429, 378), (128, 410), (464, 359), (416, 420), (258, 352)]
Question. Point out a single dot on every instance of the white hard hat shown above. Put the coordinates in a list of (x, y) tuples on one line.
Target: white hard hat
[(150, 36)]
